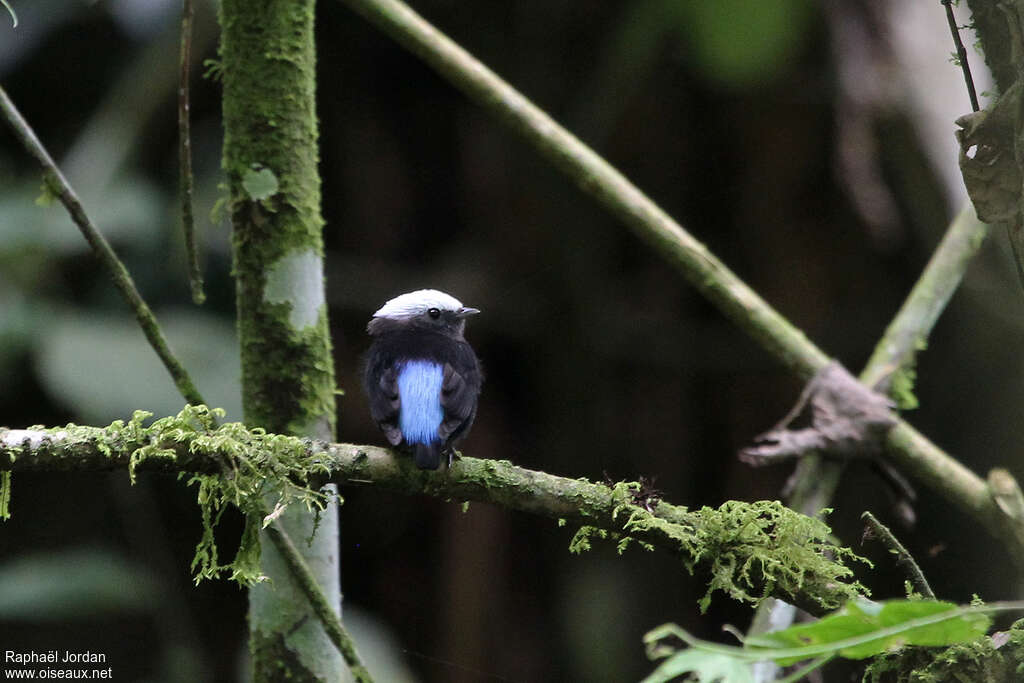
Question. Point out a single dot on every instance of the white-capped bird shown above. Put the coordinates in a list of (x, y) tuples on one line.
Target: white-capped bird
[(422, 377)]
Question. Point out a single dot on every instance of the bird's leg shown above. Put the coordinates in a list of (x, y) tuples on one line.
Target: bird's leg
[(452, 455)]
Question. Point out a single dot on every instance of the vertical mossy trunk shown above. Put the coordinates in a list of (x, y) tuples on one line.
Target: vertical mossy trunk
[(270, 156)]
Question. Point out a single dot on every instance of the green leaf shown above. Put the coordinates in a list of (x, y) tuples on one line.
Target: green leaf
[(860, 629), (707, 667), (259, 183), (877, 627)]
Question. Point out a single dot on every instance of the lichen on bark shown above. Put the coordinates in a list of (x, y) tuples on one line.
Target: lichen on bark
[(270, 157)]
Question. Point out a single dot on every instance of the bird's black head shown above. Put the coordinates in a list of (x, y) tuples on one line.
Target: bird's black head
[(425, 309)]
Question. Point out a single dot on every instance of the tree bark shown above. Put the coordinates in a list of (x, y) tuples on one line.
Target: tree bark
[(270, 157)]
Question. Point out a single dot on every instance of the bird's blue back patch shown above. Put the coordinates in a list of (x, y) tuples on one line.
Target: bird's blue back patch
[(419, 386)]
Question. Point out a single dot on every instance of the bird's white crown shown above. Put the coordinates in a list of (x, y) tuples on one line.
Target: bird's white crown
[(416, 303)]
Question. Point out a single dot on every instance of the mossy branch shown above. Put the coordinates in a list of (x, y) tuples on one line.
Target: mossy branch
[(989, 21), (750, 550)]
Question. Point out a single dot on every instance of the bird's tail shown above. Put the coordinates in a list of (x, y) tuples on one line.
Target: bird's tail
[(428, 456)]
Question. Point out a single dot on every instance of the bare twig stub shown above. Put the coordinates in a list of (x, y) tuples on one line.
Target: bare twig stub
[(987, 159), (847, 420), (1006, 493)]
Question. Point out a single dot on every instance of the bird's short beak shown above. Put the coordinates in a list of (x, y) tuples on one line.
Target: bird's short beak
[(465, 312)]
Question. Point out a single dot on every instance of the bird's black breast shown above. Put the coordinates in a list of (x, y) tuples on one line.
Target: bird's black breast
[(460, 389)]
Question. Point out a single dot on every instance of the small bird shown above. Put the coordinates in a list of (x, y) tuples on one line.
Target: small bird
[(422, 376)]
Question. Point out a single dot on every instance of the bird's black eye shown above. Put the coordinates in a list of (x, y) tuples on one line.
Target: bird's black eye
[(434, 313)]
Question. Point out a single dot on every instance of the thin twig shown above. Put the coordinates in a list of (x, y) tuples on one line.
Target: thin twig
[(914, 573), (56, 183), (961, 53), (185, 154), (307, 583), (909, 329)]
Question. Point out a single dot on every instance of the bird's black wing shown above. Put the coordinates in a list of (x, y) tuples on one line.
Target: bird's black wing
[(460, 390), (382, 390)]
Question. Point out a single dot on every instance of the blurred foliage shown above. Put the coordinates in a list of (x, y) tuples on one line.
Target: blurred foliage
[(743, 43), (102, 366), (36, 223), (74, 584), (599, 359)]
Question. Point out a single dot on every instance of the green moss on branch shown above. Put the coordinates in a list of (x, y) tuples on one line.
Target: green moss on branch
[(751, 550)]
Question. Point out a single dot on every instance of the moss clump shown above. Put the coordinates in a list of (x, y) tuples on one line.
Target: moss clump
[(993, 659), (751, 550), (253, 467), (902, 388)]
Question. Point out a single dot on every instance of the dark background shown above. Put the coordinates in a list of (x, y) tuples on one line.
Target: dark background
[(785, 135)]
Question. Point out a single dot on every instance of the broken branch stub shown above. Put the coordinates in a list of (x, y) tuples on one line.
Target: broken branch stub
[(846, 420), (987, 159)]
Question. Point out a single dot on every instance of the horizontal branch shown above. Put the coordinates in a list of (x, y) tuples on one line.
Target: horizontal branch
[(729, 542)]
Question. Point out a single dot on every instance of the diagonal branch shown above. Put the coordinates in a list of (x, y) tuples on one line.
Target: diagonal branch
[(56, 183), (890, 369), (598, 178), (876, 529), (905, 447), (908, 332), (335, 630)]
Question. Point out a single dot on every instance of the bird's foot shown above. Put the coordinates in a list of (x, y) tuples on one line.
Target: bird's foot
[(452, 455)]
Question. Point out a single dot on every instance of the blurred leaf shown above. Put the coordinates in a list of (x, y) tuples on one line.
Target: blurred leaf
[(78, 583), (707, 667), (598, 647), (19, 321), (743, 42), (131, 211), (103, 368)]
